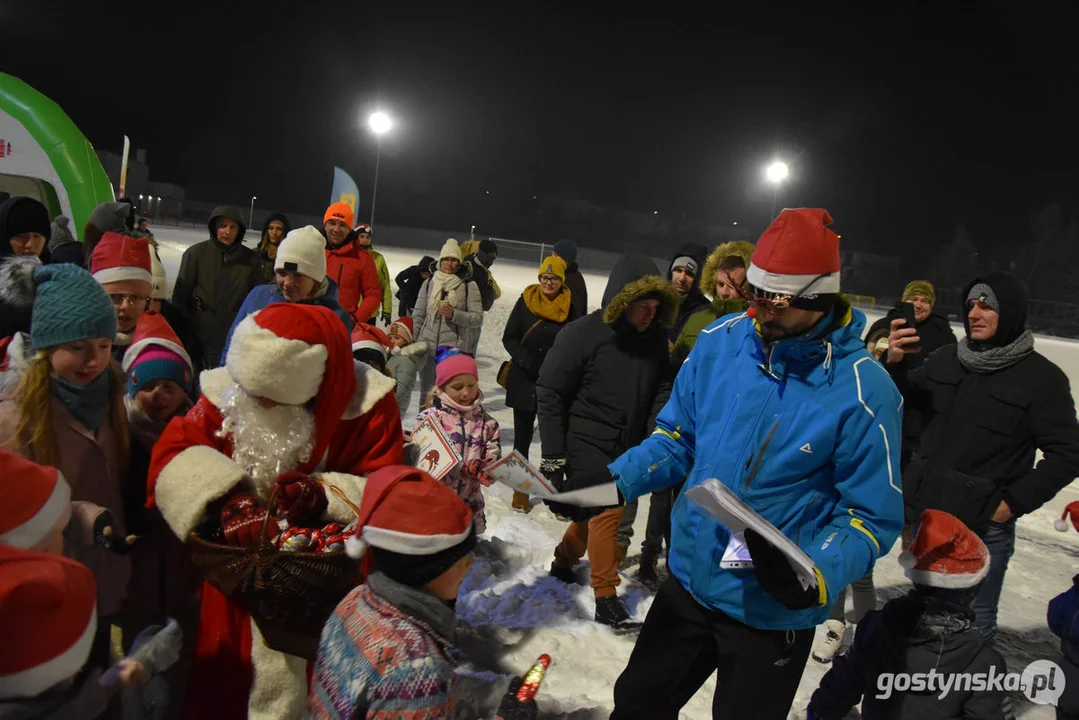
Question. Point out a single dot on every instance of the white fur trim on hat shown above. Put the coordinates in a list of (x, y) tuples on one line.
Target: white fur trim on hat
[(369, 345), (305, 248), (34, 530), (791, 284), (36, 680), (134, 349), (951, 581), (121, 273), (371, 386), (409, 544), (267, 365), (450, 249), (192, 480)]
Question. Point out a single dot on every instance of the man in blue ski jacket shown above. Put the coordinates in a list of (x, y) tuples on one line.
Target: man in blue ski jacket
[(784, 406)]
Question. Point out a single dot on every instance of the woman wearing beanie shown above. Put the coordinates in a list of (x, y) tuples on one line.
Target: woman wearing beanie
[(273, 232), (24, 228), (62, 246), (448, 310), (300, 277), (456, 406), (540, 313), (68, 411)]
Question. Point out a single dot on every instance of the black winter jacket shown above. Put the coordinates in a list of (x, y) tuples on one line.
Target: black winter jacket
[(981, 432), (603, 382), (912, 634), (579, 291), (694, 300), (409, 281), (528, 356), (482, 277)]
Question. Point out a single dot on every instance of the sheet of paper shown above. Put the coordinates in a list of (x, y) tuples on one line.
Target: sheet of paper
[(597, 496), (430, 451), (727, 508), (516, 472)]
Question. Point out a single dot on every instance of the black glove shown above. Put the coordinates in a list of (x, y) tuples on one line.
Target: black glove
[(513, 709), (554, 470), (777, 577), (386, 319), (105, 536)]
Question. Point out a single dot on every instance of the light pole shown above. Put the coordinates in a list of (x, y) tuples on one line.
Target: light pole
[(776, 173), (251, 214), (379, 123)]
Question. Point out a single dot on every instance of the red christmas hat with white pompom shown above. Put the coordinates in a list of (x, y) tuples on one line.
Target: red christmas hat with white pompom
[(1071, 512), (406, 511), (945, 553), (48, 618), (33, 500)]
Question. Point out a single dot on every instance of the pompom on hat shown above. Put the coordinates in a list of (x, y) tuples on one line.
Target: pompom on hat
[(450, 249), (1071, 512), (945, 553), (33, 500)]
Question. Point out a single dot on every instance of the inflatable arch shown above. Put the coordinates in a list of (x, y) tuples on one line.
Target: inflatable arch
[(44, 155)]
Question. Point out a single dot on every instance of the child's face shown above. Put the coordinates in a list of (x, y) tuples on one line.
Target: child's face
[(462, 389), (397, 340)]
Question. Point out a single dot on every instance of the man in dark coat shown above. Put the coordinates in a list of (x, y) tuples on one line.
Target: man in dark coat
[(988, 405), (567, 250), (409, 281), (598, 393), (214, 279), (481, 262), (685, 269)]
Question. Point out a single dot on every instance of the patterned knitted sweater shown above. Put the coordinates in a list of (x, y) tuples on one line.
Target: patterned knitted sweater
[(385, 654)]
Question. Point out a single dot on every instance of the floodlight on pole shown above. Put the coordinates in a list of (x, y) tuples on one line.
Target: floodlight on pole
[(380, 124), (776, 173)]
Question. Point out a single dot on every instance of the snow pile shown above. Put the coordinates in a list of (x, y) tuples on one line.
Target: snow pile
[(512, 611)]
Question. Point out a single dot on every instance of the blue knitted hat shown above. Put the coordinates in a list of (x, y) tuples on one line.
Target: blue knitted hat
[(69, 305)]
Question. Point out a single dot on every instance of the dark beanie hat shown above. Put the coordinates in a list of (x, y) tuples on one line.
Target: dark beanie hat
[(567, 250), (417, 570), (488, 246), (20, 215), (1006, 294)]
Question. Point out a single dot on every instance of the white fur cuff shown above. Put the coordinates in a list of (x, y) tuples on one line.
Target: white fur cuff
[(191, 481), (352, 486)]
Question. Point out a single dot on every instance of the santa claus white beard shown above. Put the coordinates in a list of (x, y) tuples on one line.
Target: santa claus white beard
[(266, 441)]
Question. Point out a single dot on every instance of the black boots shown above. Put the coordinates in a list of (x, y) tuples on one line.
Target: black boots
[(648, 575), (611, 612), (564, 574)]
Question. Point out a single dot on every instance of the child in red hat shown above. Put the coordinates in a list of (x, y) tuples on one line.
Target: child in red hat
[(407, 357), (456, 407), (929, 629)]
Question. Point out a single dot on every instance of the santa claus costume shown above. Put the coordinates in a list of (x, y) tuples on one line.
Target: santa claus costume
[(234, 443)]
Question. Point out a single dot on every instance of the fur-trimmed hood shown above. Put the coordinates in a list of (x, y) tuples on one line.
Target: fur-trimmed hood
[(741, 248), (633, 277)]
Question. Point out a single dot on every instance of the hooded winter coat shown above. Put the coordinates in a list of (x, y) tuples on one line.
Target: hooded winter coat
[(213, 282), (603, 381), (912, 634), (980, 431), (701, 319), (805, 431), (694, 300), (409, 282), (267, 253)]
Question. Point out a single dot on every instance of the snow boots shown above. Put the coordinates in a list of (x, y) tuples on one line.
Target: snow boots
[(611, 612), (564, 574), (648, 575), (828, 647), (521, 503)]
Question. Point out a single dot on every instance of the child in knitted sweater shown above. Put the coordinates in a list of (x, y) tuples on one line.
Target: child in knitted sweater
[(456, 405)]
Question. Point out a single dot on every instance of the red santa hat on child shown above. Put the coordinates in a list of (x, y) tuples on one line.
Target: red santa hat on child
[(291, 353), (369, 337), (945, 553), (33, 499), (405, 326), (48, 617), (122, 257), (406, 511), (1071, 512), (797, 255), (156, 353)]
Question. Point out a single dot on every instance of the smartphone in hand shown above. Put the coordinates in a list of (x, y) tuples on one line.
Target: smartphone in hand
[(907, 310)]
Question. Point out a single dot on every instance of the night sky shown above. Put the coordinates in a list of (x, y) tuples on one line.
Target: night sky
[(903, 120)]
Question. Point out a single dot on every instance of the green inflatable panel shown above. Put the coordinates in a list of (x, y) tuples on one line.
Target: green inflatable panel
[(39, 141)]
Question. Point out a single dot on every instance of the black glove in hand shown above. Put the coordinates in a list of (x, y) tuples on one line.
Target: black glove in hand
[(513, 709), (106, 537), (777, 577), (554, 470), (386, 319)]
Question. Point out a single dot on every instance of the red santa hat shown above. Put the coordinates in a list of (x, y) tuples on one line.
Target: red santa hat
[(794, 252), (33, 499), (407, 512), (291, 353), (156, 353), (48, 618), (369, 337), (405, 326), (1071, 512), (153, 330), (122, 257), (945, 553)]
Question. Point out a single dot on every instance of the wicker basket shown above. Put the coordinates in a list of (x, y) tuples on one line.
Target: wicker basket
[(290, 595)]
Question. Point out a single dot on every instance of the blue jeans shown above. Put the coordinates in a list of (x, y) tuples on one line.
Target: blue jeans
[(1000, 539)]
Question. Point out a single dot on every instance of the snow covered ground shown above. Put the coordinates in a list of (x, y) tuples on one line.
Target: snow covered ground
[(515, 612)]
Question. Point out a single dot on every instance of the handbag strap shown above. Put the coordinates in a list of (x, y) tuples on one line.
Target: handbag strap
[(529, 332)]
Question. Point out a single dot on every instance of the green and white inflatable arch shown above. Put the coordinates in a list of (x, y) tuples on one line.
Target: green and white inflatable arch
[(44, 155)]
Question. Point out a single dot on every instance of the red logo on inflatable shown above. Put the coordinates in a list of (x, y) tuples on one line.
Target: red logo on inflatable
[(5, 148)]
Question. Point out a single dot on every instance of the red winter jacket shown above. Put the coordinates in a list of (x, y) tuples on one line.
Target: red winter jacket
[(358, 289)]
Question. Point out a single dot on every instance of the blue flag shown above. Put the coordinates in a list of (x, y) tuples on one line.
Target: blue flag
[(345, 190)]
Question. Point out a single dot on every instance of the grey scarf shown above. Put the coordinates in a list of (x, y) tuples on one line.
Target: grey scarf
[(991, 359), (418, 603)]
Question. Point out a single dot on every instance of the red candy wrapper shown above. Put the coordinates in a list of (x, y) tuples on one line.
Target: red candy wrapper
[(531, 682)]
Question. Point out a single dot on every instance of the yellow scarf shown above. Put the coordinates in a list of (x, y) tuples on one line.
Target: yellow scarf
[(556, 310)]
